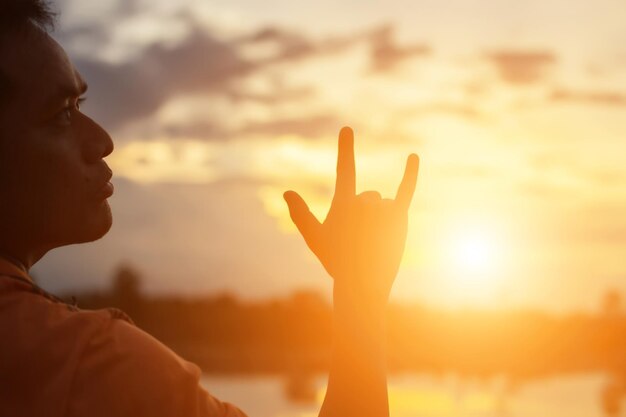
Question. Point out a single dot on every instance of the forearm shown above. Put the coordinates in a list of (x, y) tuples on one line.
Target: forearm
[(360, 244), (357, 385)]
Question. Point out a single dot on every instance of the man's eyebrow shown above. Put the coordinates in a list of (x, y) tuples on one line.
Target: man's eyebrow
[(68, 91), (82, 85), (73, 90)]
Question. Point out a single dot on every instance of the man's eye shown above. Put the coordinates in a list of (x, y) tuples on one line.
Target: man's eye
[(64, 117)]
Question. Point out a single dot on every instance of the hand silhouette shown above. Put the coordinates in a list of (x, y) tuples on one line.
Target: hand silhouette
[(361, 241)]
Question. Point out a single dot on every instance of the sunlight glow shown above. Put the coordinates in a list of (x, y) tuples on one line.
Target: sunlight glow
[(473, 262), (474, 253)]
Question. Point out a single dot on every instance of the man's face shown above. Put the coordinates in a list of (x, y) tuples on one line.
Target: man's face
[(53, 179)]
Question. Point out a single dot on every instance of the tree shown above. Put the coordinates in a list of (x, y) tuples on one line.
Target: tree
[(126, 287)]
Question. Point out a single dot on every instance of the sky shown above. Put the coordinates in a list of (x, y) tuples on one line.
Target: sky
[(517, 110)]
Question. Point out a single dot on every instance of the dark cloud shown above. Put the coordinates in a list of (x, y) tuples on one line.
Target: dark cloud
[(291, 45), (522, 67), (95, 36), (137, 88), (386, 54), (609, 98), (203, 63)]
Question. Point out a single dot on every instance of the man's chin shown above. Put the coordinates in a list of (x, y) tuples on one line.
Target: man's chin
[(95, 227), (105, 222)]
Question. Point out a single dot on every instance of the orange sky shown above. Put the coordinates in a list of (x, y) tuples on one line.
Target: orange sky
[(516, 109)]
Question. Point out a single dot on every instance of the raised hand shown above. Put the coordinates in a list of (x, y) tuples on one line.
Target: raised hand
[(361, 241)]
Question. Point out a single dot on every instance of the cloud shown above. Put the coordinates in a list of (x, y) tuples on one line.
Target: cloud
[(468, 171), (279, 94), (204, 63), (558, 174), (544, 189), (212, 131), (600, 97), (123, 92), (200, 63), (290, 46), (609, 226), (462, 110), (386, 54), (521, 67), (307, 127)]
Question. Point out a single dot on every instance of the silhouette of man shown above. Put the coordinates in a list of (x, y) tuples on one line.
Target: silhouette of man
[(57, 360)]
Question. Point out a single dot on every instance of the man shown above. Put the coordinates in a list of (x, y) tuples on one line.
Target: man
[(56, 360)]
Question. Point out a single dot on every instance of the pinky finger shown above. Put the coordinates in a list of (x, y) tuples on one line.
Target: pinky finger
[(407, 186)]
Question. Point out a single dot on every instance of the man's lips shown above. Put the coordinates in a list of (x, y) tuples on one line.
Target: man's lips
[(105, 191)]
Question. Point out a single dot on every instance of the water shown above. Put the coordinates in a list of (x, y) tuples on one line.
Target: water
[(429, 396)]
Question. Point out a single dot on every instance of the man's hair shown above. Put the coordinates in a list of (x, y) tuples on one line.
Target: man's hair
[(16, 15)]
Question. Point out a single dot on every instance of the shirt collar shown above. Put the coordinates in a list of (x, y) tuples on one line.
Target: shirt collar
[(10, 267)]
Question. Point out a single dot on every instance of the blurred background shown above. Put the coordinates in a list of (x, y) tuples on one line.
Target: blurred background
[(509, 299)]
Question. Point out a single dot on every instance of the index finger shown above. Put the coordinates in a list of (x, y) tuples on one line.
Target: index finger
[(407, 186), (345, 185)]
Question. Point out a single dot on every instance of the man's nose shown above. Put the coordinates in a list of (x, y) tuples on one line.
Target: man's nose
[(97, 143)]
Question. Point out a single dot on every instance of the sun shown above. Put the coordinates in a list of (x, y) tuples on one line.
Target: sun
[(474, 252), (474, 262)]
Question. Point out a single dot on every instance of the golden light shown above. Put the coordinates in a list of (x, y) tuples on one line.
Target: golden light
[(474, 253), (472, 263)]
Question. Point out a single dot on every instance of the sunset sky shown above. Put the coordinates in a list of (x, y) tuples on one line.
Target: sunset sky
[(517, 110)]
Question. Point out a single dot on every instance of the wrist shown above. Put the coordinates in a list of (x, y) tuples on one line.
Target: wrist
[(353, 301)]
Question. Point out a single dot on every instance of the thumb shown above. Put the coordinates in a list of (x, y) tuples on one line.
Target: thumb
[(305, 221)]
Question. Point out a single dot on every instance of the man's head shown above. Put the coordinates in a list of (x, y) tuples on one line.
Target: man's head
[(53, 179)]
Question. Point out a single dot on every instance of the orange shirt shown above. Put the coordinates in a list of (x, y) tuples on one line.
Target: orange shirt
[(57, 361)]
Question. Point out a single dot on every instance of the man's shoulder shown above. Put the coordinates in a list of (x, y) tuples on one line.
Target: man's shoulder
[(98, 363), (132, 373), (29, 317), (32, 321), (44, 342)]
